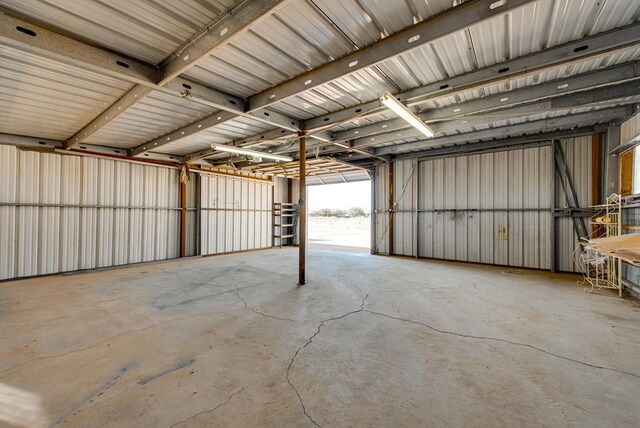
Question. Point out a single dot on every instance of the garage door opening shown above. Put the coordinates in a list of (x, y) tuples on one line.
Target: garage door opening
[(340, 216)]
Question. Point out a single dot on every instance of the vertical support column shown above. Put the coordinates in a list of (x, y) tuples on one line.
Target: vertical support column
[(183, 219), (595, 177), (416, 182), (373, 215), (198, 214), (273, 214), (391, 207), (552, 229), (595, 169), (613, 161), (302, 209)]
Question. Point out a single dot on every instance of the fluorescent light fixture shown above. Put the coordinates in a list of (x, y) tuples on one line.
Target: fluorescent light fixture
[(238, 151), (398, 108)]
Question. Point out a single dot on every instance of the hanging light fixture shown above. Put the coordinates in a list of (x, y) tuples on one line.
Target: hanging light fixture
[(398, 108), (253, 153)]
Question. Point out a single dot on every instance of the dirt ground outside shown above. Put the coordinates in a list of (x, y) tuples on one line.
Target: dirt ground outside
[(343, 232)]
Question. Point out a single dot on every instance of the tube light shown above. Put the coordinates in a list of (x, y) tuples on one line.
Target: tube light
[(238, 151), (398, 108)]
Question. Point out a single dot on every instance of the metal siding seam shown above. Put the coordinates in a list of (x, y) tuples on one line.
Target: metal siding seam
[(8, 173)]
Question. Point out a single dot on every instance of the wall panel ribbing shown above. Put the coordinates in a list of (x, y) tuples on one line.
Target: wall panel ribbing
[(237, 214), (492, 208), (64, 213)]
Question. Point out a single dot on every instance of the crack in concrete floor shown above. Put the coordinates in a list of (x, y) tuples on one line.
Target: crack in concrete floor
[(309, 340), (297, 368), (425, 325), (496, 339), (258, 311), (212, 409)]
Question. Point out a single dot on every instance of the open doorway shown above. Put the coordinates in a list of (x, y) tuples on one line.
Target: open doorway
[(340, 216)]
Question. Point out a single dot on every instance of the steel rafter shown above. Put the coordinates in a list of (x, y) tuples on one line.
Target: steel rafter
[(25, 35), (570, 52), (545, 125), (447, 22), (220, 32), (578, 86)]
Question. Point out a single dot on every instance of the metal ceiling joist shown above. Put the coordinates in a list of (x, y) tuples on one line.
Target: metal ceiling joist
[(287, 129), (87, 149), (235, 22), (537, 126), (254, 140), (517, 142), (447, 22), (26, 36), (398, 131), (190, 129), (458, 124), (575, 51), (505, 100)]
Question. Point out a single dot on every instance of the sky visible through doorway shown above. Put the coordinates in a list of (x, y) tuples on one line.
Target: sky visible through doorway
[(340, 196)]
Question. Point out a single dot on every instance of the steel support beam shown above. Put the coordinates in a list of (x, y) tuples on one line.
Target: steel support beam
[(255, 140), (566, 181), (564, 93), (496, 145), (236, 20), (302, 210), (612, 164), (88, 149), (29, 37), (183, 219), (448, 22), (366, 143), (373, 215), (220, 32), (390, 237), (537, 126), (571, 52), (614, 92)]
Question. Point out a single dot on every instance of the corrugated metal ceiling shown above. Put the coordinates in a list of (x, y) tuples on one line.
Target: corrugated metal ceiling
[(49, 99), (145, 30)]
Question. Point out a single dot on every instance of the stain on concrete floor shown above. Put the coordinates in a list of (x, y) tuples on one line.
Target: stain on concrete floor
[(370, 341)]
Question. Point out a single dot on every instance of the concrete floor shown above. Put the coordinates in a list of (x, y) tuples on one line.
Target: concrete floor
[(371, 341)]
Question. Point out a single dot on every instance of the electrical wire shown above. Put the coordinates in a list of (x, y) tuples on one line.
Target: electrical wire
[(404, 188)]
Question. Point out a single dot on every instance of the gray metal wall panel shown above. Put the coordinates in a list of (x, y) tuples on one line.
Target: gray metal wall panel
[(94, 231), (491, 208), (578, 156), (192, 215), (630, 129), (404, 195), (8, 176), (236, 213), (381, 207)]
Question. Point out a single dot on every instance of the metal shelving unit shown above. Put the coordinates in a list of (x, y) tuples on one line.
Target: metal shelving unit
[(285, 223)]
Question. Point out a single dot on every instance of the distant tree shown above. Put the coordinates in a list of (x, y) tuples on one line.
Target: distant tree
[(323, 212), (328, 212), (338, 213), (356, 212)]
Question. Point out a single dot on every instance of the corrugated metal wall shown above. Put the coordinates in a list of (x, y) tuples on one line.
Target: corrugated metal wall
[(631, 213), (61, 213), (381, 203), (236, 214), (578, 156), (64, 213), (630, 129), (492, 208)]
